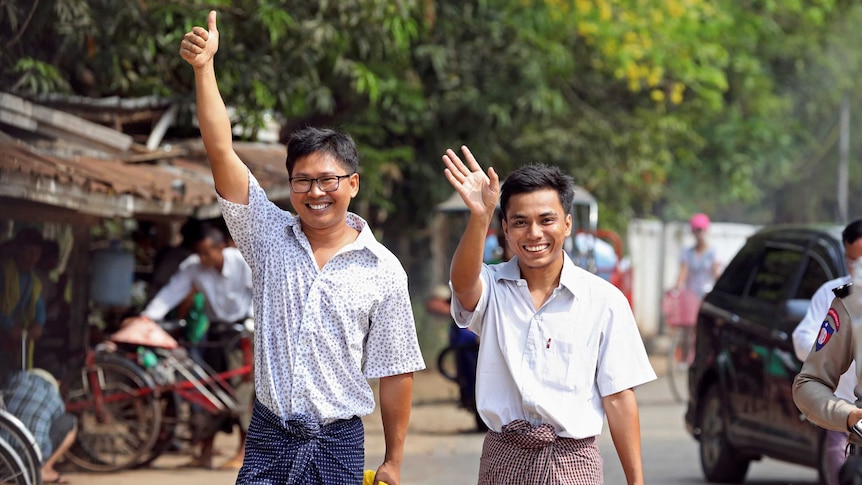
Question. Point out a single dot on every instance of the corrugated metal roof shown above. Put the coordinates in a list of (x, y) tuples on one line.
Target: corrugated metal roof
[(111, 102), (139, 188)]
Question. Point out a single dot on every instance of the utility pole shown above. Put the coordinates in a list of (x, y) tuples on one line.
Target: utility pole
[(844, 151)]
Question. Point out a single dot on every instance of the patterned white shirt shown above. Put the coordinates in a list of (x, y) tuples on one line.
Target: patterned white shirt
[(228, 292), (321, 333), (553, 365)]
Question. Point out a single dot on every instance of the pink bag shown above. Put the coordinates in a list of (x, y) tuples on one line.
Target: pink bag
[(680, 307)]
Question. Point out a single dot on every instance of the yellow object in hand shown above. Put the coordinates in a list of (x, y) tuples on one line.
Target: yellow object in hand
[(368, 478)]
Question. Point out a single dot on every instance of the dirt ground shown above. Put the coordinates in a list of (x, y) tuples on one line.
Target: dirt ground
[(438, 427), (435, 409)]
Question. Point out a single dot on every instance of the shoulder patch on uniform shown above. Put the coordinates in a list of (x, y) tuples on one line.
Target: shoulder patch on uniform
[(833, 314), (843, 290), (824, 335)]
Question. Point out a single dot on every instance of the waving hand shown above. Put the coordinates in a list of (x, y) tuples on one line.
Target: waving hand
[(479, 191)]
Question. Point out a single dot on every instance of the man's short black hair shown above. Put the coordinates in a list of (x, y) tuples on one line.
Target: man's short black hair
[(213, 233), (201, 232), (852, 232), (190, 231), (29, 236), (530, 178), (306, 141)]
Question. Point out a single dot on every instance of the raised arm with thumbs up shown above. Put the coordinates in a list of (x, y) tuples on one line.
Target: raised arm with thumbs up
[(198, 48), (309, 273)]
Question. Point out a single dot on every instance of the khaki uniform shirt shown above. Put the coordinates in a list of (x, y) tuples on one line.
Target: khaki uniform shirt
[(838, 343)]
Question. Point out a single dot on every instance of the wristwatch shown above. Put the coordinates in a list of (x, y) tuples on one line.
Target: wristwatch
[(857, 428)]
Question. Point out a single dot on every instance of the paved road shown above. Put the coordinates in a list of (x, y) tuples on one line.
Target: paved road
[(441, 449)]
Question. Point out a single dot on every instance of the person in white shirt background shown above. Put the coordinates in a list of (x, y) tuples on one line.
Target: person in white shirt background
[(224, 278), (805, 335), (560, 349)]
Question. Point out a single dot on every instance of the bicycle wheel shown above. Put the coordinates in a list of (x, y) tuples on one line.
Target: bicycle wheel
[(24, 443), (447, 363), (678, 360), (119, 415), (12, 469), (169, 403)]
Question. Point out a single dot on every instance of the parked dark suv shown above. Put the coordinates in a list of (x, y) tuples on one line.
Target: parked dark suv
[(740, 406)]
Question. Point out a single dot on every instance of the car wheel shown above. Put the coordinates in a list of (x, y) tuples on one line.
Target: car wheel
[(720, 462)]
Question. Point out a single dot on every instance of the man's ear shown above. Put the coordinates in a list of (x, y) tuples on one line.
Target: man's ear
[(354, 185)]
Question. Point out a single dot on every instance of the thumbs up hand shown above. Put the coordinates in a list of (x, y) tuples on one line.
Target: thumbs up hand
[(199, 46)]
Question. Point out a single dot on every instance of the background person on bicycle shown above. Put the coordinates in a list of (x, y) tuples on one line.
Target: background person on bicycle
[(699, 266), (332, 307), (805, 335), (560, 349), (168, 259), (34, 398), (224, 278)]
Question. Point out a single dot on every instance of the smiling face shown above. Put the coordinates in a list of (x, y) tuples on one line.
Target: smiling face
[(318, 209), (536, 227)]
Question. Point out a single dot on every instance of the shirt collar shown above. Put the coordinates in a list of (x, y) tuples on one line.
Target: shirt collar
[(365, 239), (569, 278)]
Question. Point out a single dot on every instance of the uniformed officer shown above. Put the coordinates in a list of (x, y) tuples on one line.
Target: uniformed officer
[(838, 343), (806, 332)]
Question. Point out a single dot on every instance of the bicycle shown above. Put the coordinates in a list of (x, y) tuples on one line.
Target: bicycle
[(679, 312), (118, 412), (19, 440), (12, 469), (128, 407), (16, 439)]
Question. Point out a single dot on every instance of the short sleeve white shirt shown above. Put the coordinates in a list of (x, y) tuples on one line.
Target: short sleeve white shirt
[(321, 333), (553, 365), (228, 292)]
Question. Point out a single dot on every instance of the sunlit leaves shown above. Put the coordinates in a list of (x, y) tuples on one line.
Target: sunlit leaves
[(645, 102)]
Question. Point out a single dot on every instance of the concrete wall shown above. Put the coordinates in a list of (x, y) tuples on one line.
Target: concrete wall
[(654, 249)]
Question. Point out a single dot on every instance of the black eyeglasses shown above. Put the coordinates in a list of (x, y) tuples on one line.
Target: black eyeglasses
[(329, 183)]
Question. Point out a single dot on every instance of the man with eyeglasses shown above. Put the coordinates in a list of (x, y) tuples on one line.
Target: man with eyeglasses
[(806, 334), (332, 308)]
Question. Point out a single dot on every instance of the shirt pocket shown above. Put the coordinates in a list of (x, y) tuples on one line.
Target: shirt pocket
[(557, 364)]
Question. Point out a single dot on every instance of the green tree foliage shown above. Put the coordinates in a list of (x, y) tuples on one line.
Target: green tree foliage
[(658, 107)]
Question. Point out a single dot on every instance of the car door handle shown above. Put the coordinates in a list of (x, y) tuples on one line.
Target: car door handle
[(719, 322)]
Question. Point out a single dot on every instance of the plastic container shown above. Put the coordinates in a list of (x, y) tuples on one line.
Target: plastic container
[(113, 270)]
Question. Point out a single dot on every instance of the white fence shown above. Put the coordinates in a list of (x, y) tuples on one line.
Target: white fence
[(654, 249)]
